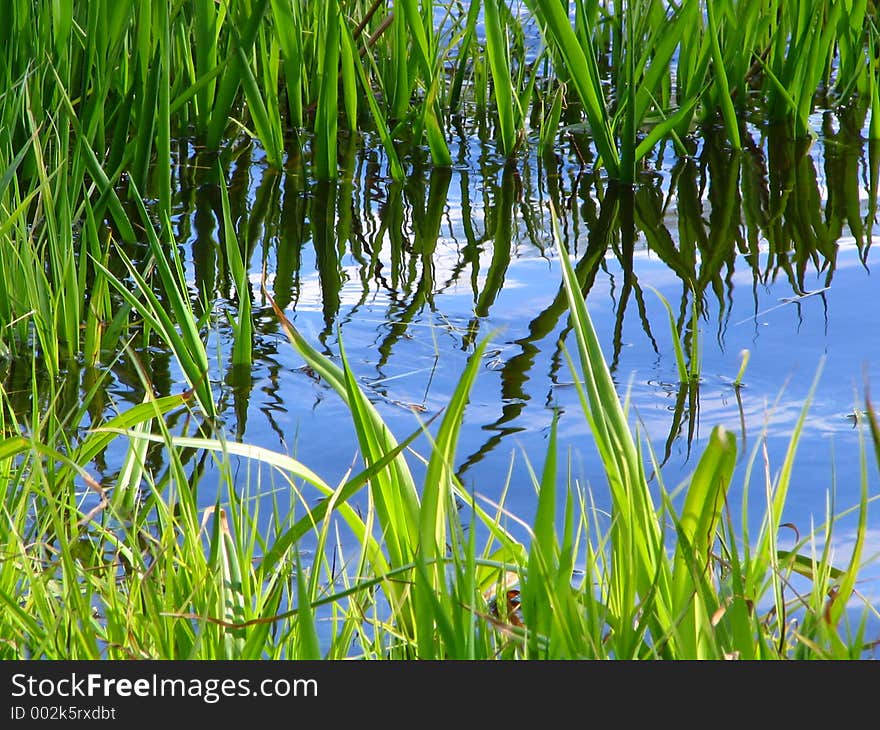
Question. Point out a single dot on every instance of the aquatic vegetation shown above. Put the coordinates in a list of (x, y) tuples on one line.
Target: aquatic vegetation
[(136, 525), (154, 579), (298, 74)]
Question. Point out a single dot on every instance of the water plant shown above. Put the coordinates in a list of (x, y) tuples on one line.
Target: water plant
[(419, 585), (295, 75), (169, 552)]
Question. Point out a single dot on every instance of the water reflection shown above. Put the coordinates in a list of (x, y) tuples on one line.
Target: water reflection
[(415, 273)]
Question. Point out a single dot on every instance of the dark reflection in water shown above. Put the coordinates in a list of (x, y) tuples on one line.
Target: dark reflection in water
[(412, 271)]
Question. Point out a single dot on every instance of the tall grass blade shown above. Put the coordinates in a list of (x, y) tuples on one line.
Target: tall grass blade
[(326, 114), (437, 506), (242, 346), (179, 327), (307, 641), (720, 76), (680, 362), (697, 531), (636, 537), (497, 50), (248, 19), (582, 67), (381, 122), (230, 596)]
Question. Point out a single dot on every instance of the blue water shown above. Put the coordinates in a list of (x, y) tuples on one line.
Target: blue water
[(409, 279)]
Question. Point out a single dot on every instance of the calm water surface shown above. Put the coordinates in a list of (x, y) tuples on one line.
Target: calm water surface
[(772, 247)]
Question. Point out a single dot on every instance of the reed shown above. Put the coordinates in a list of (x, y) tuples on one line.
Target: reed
[(177, 325), (688, 367), (242, 327), (449, 596), (646, 38), (683, 589), (800, 60), (135, 565), (292, 74)]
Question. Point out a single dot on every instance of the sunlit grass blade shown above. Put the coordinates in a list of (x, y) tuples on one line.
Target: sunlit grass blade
[(178, 327), (540, 588), (393, 488), (230, 599), (262, 100), (242, 346), (698, 528), (379, 119), (289, 27), (680, 362), (307, 641), (131, 474), (433, 126), (326, 114), (99, 307), (248, 20), (874, 86), (497, 50), (582, 66), (437, 504), (636, 536), (720, 77), (550, 126)]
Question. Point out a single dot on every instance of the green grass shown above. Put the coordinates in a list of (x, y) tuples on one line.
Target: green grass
[(156, 574), (382, 564), (289, 73)]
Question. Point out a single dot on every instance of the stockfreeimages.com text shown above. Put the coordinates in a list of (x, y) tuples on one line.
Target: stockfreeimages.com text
[(209, 690)]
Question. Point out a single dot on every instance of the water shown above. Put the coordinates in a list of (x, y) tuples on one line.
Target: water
[(775, 243)]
